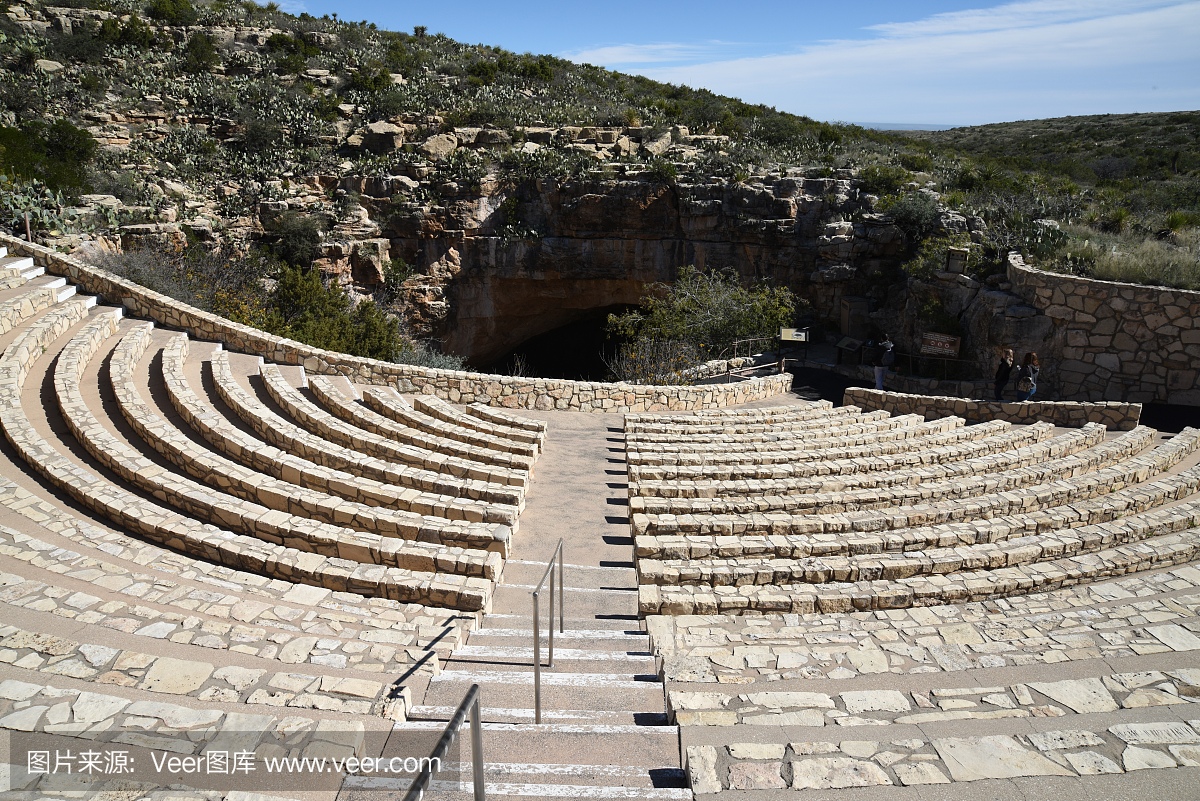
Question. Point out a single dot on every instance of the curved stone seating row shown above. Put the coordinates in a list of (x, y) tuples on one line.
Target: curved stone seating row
[(721, 416), (1126, 501), (232, 481), (942, 449), (179, 532), (17, 310), (894, 428), (1029, 499), (977, 585), (494, 416), (391, 404), (341, 405), (438, 409), (326, 425), (913, 489), (837, 417), (157, 523), (892, 565), (61, 582), (880, 473), (287, 436), (266, 459), (932, 434), (152, 574)]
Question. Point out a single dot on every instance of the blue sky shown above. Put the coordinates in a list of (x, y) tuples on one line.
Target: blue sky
[(911, 62)]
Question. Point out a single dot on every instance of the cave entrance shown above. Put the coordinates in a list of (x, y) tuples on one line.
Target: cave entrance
[(577, 350)]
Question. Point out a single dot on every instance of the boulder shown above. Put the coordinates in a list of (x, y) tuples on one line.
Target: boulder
[(382, 137), (46, 65), (368, 259), (490, 137), (659, 145), (439, 146)]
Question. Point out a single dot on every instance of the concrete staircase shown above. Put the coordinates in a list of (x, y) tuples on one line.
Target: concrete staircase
[(604, 731)]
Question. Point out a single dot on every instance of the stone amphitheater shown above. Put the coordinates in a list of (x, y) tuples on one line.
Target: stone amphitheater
[(205, 552)]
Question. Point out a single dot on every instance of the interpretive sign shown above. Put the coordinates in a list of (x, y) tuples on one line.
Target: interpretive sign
[(940, 345)]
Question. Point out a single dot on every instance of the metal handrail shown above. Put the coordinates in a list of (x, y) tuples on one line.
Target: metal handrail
[(470, 702), (537, 628)]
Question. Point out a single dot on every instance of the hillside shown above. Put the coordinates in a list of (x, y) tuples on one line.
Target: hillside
[(415, 170)]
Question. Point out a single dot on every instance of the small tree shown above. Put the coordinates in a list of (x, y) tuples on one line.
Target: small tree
[(709, 310)]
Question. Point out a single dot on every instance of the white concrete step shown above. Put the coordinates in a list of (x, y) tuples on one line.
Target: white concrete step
[(615, 622), (550, 678), (452, 791), (66, 293), (566, 654), (21, 264), (3, 251), (595, 717)]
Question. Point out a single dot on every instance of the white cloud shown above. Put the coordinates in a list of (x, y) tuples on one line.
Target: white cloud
[(1028, 14), (1017, 60)]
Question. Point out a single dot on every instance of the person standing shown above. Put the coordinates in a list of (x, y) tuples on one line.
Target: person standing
[(1003, 371), (885, 358), (1027, 377)]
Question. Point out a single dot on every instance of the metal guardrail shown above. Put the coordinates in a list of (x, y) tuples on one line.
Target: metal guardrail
[(470, 703), (537, 631)]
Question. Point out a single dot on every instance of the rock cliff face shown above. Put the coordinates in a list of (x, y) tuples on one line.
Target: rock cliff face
[(599, 243)]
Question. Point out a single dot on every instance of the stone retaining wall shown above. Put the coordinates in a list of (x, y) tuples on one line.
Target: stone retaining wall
[(456, 386), (1116, 415), (1117, 341)]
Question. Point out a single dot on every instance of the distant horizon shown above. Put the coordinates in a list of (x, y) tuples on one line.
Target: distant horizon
[(972, 61), (905, 126)]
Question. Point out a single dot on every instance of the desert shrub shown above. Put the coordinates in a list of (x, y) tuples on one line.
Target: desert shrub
[(654, 361), (223, 282), (56, 153), (296, 237), (915, 214), (172, 12), (200, 54), (303, 308), (369, 79), (1132, 259), (709, 310), (132, 33), (883, 179), (82, 45), (916, 162), (931, 257)]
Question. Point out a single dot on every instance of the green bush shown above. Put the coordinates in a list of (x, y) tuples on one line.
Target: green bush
[(133, 33), (304, 309), (172, 12), (57, 154), (709, 310), (883, 180), (915, 214), (296, 238), (200, 55)]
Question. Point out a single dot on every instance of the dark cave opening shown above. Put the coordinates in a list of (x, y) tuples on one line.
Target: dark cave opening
[(577, 350)]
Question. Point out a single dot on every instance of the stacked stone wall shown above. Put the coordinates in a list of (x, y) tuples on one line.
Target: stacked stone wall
[(1116, 415), (1116, 341), (456, 386)]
